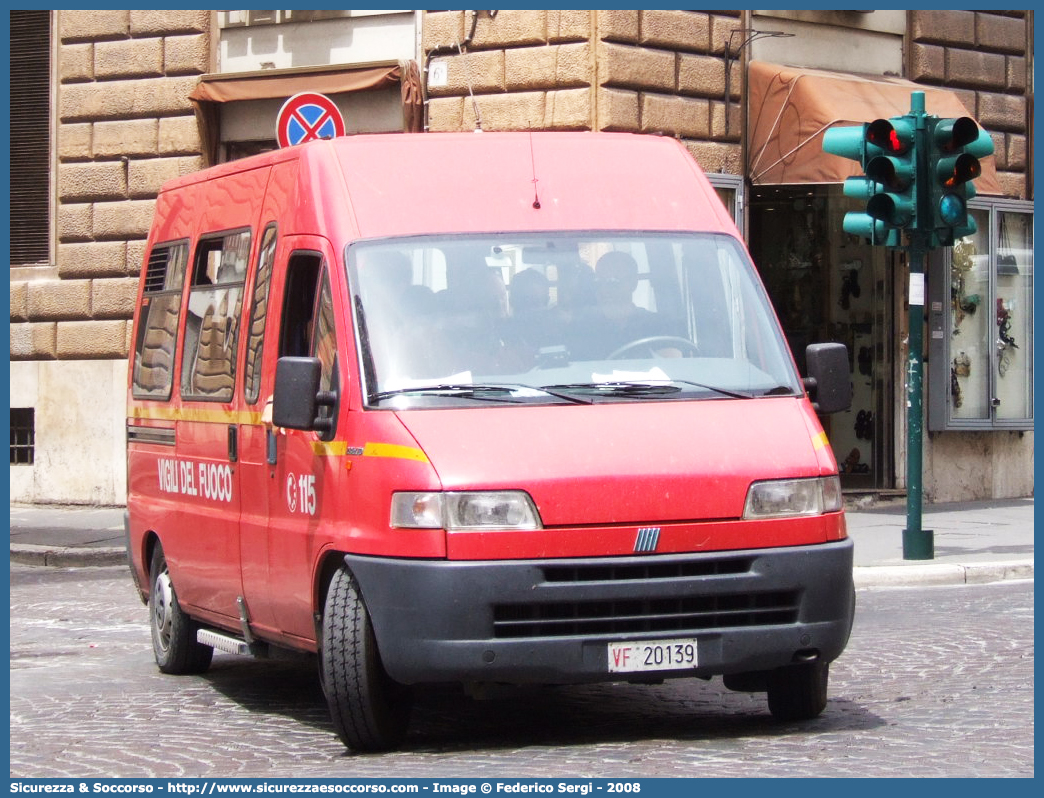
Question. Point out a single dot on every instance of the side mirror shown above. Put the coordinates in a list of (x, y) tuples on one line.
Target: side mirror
[(297, 396), (828, 382)]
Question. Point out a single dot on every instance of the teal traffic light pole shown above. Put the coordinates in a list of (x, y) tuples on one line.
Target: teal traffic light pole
[(918, 543), (907, 161)]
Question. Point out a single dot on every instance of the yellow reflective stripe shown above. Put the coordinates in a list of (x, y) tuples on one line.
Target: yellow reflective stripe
[(394, 450), (341, 448), (331, 449), (319, 448), (195, 414)]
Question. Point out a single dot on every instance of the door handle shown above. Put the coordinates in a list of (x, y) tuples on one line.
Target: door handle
[(233, 443), (270, 446)]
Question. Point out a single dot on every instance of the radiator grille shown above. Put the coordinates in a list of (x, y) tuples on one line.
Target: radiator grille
[(688, 614)]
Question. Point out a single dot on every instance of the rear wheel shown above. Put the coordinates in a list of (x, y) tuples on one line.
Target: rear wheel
[(173, 632), (798, 692), (369, 710)]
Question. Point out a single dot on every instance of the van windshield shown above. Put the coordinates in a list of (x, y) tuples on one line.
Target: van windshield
[(563, 318)]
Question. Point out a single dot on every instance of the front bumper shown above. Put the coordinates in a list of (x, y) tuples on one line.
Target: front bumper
[(549, 621)]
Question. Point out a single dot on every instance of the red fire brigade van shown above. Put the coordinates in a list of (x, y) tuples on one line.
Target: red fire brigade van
[(481, 408)]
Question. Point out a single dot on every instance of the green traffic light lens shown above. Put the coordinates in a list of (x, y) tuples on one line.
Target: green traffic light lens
[(951, 209)]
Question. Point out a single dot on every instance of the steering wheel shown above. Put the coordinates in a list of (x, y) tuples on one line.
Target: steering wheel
[(649, 345)]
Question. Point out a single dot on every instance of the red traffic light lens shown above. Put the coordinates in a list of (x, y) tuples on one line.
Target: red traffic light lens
[(957, 171), (882, 133)]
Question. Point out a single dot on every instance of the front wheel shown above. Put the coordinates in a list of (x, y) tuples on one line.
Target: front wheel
[(369, 710), (798, 692), (173, 632)]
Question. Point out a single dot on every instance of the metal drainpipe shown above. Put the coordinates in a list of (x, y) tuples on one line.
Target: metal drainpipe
[(444, 49), (1029, 104)]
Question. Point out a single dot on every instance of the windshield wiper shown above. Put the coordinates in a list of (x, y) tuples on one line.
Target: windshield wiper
[(642, 389), (716, 389), (779, 390), (617, 388), (488, 393)]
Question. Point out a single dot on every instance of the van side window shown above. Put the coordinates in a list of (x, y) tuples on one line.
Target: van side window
[(258, 312), (302, 284), (308, 318), (325, 342), (158, 323), (215, 302)]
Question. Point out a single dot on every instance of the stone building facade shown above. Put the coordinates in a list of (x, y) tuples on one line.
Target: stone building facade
[(659, 72), (122, 125), (123, 122), (987, 58)]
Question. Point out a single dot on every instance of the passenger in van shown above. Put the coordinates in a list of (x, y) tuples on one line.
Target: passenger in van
[(476, 309), (532, 323), (418, 337), (574, 290), (529, 292), (614, 320)]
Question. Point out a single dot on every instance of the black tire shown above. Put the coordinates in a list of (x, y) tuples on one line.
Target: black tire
[(798, 692), (369, 710), (173, 632)]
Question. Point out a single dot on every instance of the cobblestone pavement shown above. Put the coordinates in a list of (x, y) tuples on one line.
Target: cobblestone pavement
[(936, 682)]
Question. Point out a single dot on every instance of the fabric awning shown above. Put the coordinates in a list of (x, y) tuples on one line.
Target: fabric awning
[(213, 90), (790, 108)]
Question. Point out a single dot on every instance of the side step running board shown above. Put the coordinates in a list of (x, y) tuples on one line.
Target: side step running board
[(230, 644), (223, 642)]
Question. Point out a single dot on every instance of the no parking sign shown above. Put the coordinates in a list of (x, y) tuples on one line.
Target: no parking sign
[(307, 116)]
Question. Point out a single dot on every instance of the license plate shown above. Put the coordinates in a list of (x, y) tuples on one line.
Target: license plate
[(652, 655)]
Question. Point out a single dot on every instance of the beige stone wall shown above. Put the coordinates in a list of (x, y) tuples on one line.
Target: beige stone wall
[(639, 71), (124, 126), (80, 431), (981, 55), (967, 466)]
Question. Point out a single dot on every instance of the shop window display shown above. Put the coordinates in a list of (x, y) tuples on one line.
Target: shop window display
[(987, 336)]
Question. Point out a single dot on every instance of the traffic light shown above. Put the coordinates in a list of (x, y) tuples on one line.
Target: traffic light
[(894, 170), (953, 163), (886, 149)]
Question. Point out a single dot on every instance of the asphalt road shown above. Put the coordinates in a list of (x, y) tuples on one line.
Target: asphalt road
[(935, 682)]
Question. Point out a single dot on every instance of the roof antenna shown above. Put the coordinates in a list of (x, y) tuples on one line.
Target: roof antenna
[(532, 159)]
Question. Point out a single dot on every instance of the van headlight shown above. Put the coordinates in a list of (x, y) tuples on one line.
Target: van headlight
[(781, 498), (457, 511)]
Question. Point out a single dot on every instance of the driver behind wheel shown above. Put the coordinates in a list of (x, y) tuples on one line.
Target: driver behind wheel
[(615, 320)]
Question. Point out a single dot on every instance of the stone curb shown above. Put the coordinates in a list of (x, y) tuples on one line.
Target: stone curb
[(67, 556), (942, 574), (865, 575)]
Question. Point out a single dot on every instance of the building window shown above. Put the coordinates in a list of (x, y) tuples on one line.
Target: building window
[(30, 187), (981, 323), (23, 435), (283, 40), (364, 61)]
